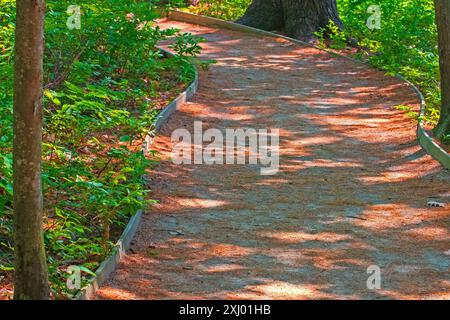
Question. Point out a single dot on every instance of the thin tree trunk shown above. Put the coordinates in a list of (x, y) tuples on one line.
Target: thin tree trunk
[(30, 279), (298, 18), (443, 24)]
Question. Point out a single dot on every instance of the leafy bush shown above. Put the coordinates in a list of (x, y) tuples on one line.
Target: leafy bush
[(223, 9), (102, 84), (406, 44)]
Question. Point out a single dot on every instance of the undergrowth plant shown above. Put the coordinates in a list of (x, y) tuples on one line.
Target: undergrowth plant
[(223, 9)]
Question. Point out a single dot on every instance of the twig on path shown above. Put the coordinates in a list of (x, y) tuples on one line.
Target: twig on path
[(353, 217)]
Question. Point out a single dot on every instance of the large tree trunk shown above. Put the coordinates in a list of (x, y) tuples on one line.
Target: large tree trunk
[(30, 278), (443, 24), (298, 18)]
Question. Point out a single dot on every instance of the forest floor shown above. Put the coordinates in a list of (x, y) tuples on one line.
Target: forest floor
[(352, 189)]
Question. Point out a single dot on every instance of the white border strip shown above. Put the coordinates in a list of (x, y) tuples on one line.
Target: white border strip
[(425, 140)]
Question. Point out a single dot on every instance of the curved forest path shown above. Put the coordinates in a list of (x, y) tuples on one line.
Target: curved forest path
[(351, 192)]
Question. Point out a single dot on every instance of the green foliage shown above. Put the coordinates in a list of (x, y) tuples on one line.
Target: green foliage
[(332, 36), (406, 44), (407, 109), (6, 192), (446, 139), (101, 86), (223, 9)]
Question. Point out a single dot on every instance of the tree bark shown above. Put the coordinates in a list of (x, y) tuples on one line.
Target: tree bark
[(443, 25), (298, 18), (30, 278), (264, 14)]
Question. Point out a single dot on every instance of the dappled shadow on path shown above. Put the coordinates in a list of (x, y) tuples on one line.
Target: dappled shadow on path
[(351, 192)]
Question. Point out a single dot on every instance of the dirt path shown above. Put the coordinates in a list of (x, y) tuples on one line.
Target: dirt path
[(352, 189)]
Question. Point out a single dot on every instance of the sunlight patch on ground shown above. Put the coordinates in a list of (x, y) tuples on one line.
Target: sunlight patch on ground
[(430, 233), (199, 203), (285, 290), (296, 237), (222, 268)]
